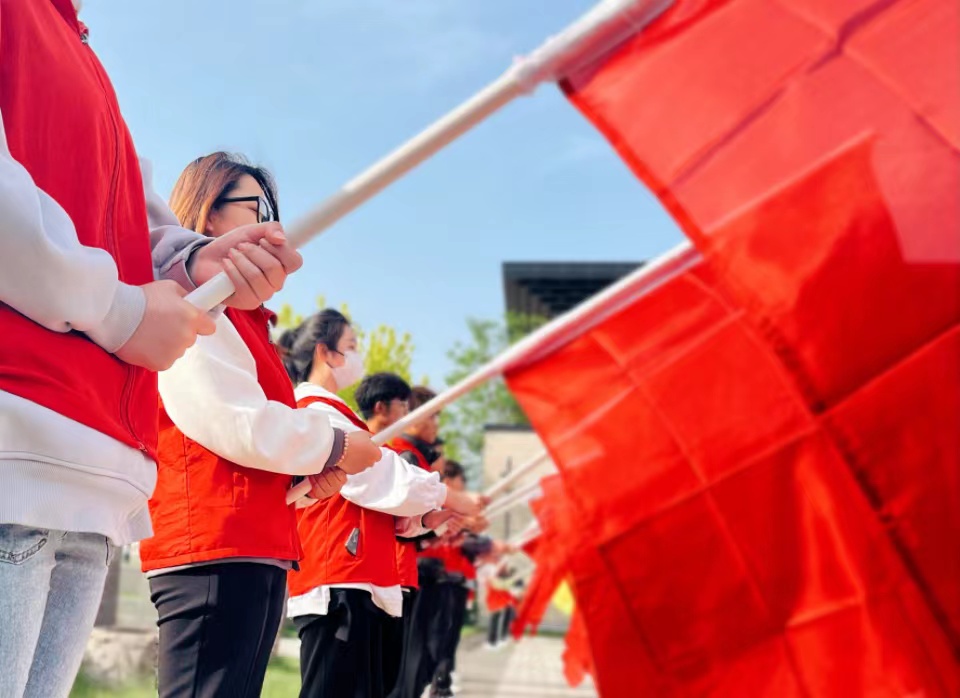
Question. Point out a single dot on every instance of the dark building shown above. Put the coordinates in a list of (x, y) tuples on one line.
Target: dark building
[(548, 289)]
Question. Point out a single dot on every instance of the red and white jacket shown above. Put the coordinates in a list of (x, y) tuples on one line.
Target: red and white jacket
[(80, 426), (374, 506), (231, 440)]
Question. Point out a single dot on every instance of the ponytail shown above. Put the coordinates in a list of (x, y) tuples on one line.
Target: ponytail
[(298, 346)]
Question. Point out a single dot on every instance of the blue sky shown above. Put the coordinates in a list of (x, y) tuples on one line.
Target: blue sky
[(317, 90)]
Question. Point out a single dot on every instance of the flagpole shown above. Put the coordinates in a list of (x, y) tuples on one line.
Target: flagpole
[(503, 483), (589, 313), (584, 316), (519, 496), (602, 27), (530, 533)]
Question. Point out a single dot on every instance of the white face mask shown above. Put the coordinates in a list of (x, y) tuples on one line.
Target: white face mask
[(351, 371)]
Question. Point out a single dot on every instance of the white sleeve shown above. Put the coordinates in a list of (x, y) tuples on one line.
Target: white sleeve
[(47, 275), (213, 397), (391, 485)]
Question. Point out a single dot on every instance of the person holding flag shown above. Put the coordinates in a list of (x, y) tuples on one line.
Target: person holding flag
[(383, 398), (231, 440), (348, 589), (503, 589), (458, 554), (93, 273)]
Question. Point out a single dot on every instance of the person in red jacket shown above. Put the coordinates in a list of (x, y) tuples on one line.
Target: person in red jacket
[(231, 441), (383, 398), (347, 589), (457, 554), (418, 446), (93, 270)]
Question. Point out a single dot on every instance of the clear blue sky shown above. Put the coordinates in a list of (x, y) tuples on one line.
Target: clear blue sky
[(318, 89)]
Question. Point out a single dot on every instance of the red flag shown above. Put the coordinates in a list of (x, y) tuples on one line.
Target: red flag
[(577, 662), (549, 553), (766, 448)]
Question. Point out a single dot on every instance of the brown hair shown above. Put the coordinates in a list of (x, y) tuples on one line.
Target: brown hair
[(420, 395), (210, 178)]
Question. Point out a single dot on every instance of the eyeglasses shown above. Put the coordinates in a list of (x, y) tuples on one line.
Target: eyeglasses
[(265, 212)]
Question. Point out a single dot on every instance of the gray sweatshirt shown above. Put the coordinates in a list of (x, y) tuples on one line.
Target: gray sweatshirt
[(56, 473)]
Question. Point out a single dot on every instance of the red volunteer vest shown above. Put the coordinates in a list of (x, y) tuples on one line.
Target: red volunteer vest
[(325, 529), (208, 508), (407, 552), (63, 124), (498, 599)]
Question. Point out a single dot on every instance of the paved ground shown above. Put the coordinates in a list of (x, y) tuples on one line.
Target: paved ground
[(530, 668)]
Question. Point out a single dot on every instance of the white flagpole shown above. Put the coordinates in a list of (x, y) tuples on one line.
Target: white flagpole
[(593, 310), (599, 306), (520, 496), (531, 532), (604, 26), (503, 483)]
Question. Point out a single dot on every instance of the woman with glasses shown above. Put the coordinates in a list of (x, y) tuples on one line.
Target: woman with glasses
[(231, 441)]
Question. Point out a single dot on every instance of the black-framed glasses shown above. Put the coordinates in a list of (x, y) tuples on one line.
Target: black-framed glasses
[(265, 212)]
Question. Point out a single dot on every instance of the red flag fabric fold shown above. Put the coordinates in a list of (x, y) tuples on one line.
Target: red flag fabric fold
[(764, 449)]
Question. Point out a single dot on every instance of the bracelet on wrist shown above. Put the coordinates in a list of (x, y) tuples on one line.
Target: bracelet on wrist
[(343, 453)]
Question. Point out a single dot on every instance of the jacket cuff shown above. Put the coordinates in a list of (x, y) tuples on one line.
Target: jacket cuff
[(178, 268), (336, 451), (122, 319)]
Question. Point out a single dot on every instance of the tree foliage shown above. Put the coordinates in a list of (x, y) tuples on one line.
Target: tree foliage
[(462, 424)]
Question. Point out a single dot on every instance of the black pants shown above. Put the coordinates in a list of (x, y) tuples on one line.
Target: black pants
[(499, 628), (217, 625), (341, 653), (418, 662), (395, 641), (453, 602)]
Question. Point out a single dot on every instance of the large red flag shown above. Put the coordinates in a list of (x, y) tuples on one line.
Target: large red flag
[(766, 448), (559, 535)]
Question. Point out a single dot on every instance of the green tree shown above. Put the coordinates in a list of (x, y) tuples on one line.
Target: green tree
[(383, 348), (463, 422)]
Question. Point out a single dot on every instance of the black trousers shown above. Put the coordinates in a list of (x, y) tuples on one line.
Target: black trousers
[(418, 662), (453, 597), (499, 628), (217, 625), (395, 641), (341, 653)]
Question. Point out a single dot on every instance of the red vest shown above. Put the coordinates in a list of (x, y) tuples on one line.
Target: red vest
[(208, 508), (407, 552), (498, 599), (325, 529), (64, 126), (452, 558)]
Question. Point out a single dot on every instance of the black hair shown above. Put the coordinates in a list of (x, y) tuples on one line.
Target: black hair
[(452, 469), (298, 346), (380, 387)]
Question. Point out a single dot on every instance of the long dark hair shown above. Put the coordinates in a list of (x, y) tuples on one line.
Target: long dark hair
[(210, 178), (298, 346)]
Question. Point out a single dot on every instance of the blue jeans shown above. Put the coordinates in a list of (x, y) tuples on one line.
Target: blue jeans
[(51, 583)]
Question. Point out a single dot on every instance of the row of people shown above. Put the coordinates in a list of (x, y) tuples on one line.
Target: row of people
[(89, 432), (238, 424)]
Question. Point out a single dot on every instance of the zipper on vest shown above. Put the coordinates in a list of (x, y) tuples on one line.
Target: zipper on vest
[(111, 233)]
